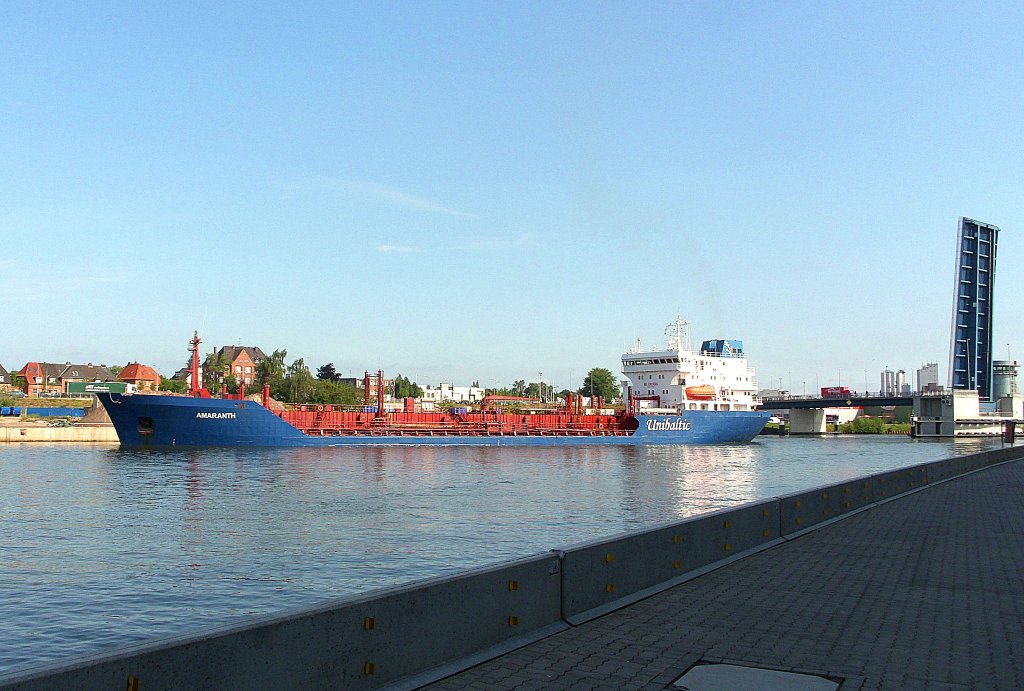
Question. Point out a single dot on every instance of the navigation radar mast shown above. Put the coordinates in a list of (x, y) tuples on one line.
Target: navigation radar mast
[(678, 334)]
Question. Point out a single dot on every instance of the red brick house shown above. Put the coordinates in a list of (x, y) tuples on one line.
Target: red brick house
[(143, 377), (41, 377), (239, 362)]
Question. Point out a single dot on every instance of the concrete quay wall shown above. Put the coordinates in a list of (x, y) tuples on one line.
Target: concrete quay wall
[(41, 433), (407, 636)]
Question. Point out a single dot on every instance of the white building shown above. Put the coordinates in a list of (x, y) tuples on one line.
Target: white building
[(928, 376), (454, 394)]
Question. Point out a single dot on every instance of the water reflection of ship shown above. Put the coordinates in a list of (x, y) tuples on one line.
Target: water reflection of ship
[(429, 459), (666, 483)]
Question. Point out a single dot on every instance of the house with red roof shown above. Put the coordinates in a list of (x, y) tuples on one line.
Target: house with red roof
[(239, 362), (143, 377), (41, 377), (83, 373), (50, 377)]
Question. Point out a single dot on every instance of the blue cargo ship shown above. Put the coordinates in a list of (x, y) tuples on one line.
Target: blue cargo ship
[(673, 396)]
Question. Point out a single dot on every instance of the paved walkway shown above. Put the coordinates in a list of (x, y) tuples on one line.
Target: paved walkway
[(924, 592)]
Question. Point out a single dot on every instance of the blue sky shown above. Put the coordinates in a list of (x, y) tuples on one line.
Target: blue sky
[(489, 191)]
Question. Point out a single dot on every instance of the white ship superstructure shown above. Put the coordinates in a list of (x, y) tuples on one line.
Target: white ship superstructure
[(678, 378)]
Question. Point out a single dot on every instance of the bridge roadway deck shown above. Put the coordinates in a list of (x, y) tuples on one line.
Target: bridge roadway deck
[(809, 402), (925, 591)]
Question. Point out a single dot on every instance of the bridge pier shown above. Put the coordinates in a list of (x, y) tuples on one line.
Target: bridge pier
[(808, 421)]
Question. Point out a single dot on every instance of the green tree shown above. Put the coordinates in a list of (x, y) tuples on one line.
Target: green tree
[(215, 368), (327, 372), (173, 385), (115, 370), (272, 371), (864, 425), (301, 383), (600, 382), (403, 388), (334, 393)]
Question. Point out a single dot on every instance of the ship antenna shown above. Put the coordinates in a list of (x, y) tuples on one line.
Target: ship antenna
[(678, 334)]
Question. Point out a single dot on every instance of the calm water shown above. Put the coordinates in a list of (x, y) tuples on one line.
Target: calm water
[(100, 547)]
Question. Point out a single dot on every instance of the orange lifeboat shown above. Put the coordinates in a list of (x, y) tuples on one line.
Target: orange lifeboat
[(701, 393)]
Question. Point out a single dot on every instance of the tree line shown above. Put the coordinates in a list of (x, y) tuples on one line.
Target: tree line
[(598, 382), (296, 383)]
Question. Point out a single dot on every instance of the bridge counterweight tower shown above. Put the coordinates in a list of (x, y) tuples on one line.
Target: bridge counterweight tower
[(970, 349)]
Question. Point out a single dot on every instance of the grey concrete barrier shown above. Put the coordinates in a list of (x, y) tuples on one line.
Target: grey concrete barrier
[(886, 485), (600, 576), (803, 510), (1002, 455), (381, 637)]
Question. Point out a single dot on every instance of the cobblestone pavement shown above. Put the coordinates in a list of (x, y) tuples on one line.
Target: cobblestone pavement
[(923, 592)]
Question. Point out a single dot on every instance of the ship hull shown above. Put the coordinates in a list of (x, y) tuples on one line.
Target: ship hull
[(144, 420)]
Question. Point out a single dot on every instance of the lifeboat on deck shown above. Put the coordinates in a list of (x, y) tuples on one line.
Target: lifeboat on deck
[(704, 392)]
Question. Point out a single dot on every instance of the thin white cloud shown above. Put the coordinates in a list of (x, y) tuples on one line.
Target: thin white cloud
[(501, 242), (376, 192), (398, 249)]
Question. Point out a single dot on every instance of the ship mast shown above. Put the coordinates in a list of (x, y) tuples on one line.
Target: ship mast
[(678, 335), (194, 349)]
